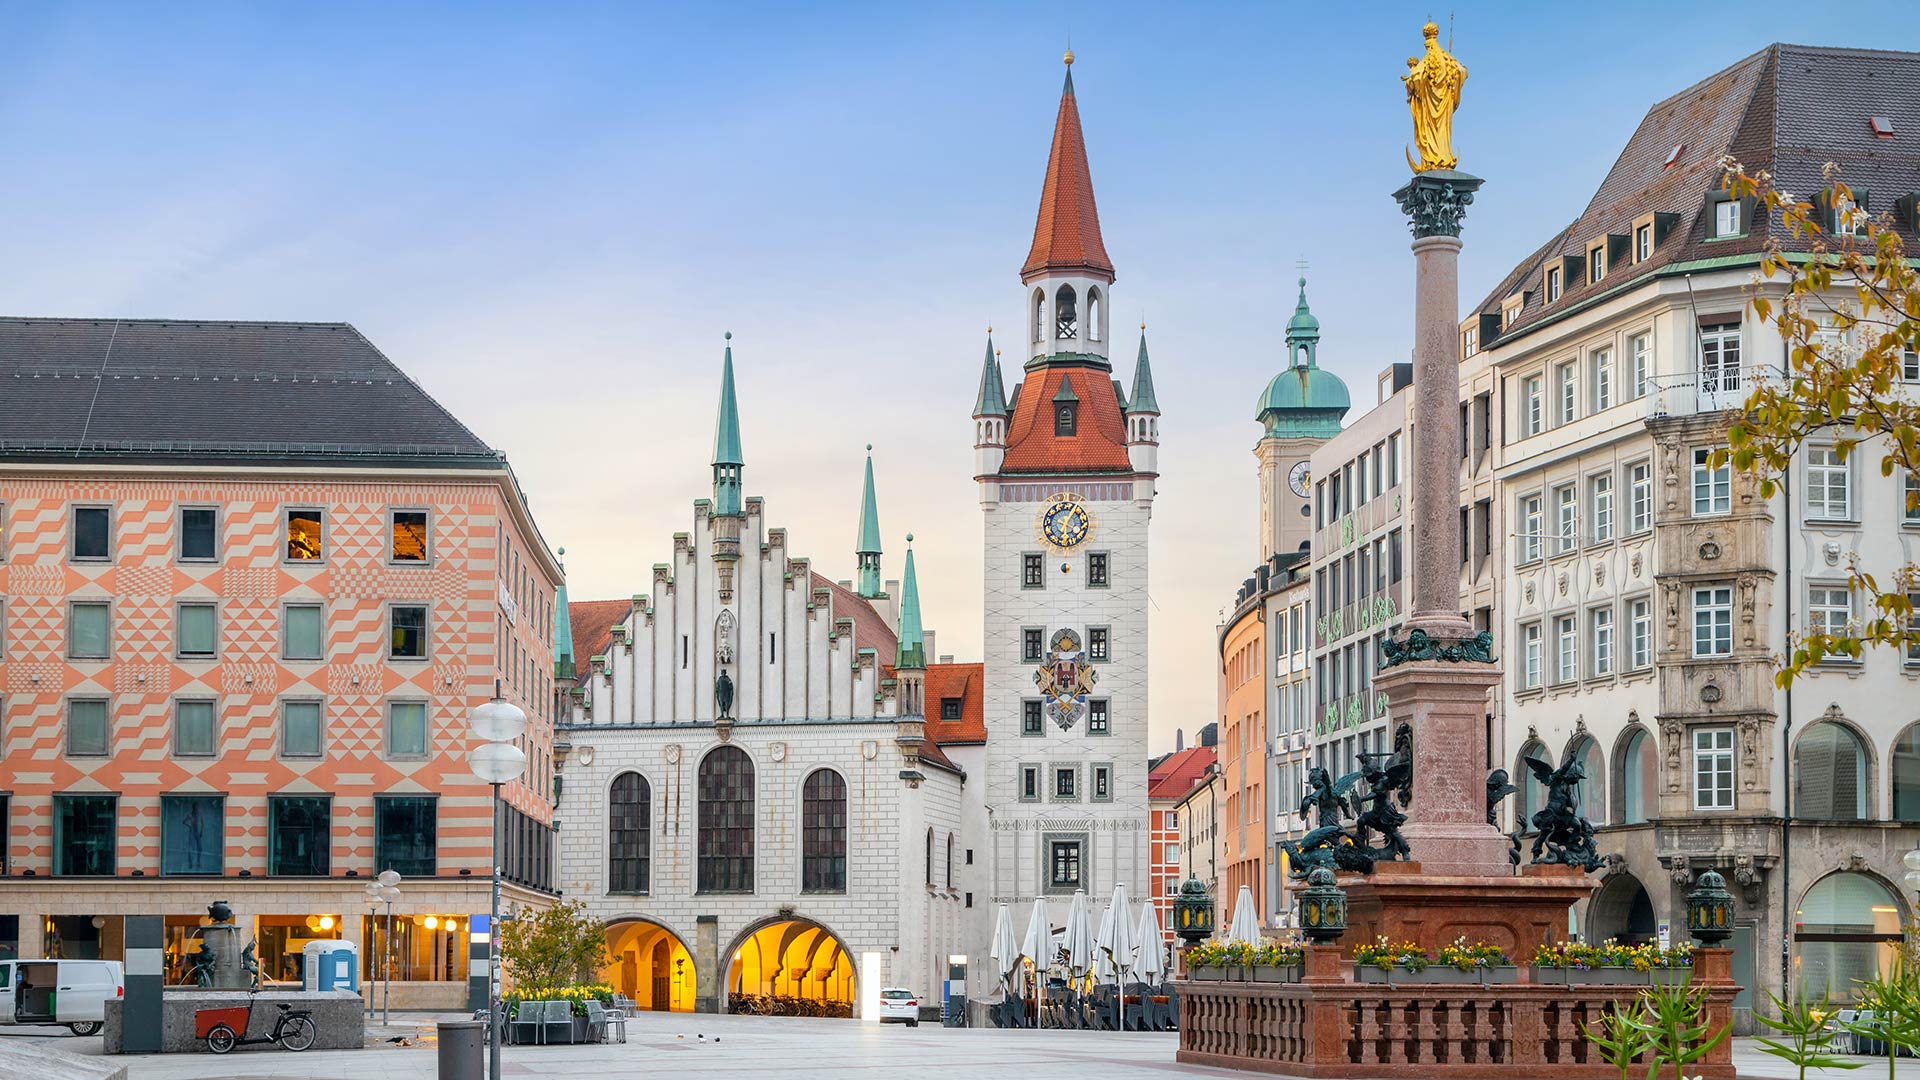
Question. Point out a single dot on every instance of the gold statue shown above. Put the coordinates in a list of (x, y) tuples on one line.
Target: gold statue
[(1433, 93)]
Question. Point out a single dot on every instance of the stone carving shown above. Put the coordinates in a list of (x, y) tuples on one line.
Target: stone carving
[(777, 751), (1599, 573), (1744, 871), (723, 697), (1670, 732), (1389, 779), (672, 751), (723, 636), (1678, 870), (1529, 592), (1670, 453), (1710, 693), (1562, 582), (1672, 591), (1562, 836), (1748, 585), (1436, 203), (1612, 863), (1710, 551), (1420, 646), (1499, 786), (1857, 863), (1635, 563)]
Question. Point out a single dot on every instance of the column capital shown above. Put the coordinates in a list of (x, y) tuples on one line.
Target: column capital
[(1436, 202)]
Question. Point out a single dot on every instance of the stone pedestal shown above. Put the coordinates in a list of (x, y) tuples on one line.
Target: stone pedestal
[(1444, 703), (1406, 901)]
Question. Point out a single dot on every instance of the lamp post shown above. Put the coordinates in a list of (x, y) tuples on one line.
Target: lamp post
[(496, 761), (373, 958), (389, 885)]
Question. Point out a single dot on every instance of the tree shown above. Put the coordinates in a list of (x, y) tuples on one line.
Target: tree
[(554, 947), (1850, 316)]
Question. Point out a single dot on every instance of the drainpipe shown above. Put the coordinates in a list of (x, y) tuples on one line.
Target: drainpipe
[(1786, 748)]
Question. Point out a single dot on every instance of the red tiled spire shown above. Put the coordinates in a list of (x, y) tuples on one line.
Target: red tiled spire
[(1066, 236)]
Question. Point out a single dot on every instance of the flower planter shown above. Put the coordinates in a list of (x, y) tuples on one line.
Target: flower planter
[(1442, 974), (1674, 976), (1239, 973), (1610, 976), (1276, 973), (1209, 974)]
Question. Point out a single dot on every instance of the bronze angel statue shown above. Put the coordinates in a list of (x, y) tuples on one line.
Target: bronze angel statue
[(1388, 776), (1561, 835)]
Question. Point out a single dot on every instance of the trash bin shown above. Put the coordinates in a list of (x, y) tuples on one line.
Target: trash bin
[(463, 1049)]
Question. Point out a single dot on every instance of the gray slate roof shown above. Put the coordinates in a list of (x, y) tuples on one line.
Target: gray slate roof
[(167, 390)]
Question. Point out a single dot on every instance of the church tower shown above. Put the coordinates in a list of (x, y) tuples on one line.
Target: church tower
[(1301, 408), (1066, 469)]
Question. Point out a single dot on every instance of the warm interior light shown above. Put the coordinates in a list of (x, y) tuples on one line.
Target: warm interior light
[(430, 922), (326, 922)]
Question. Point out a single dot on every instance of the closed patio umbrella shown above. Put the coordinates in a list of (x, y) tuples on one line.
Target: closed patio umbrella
[(1119, 944), (1038, 948), (1078, 941), (1103, 968), (1245, 928), (1150, 959), (1006, 950)]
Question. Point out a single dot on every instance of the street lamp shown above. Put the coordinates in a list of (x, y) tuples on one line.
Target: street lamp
[(496, 761), (1912, 859), (385, 889)]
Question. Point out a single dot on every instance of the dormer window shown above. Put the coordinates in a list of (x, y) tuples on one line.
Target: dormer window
[(1065, 415), (1643, 242), (1510, 310), (1843, 209), (1553, 284), (1726, 219), (1596, 262), (1882, 126)]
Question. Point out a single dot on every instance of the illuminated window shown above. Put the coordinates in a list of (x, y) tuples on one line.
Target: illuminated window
[(408, 542), (303, 535), (408, 637)]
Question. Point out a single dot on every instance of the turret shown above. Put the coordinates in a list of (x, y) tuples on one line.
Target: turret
[(728, 509), (910, 662), (990, 414), (866, 554), (1067, 273), (563, 664), (1143, 415)]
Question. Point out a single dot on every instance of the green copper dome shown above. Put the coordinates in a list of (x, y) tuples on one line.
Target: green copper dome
[(1305, 388), (1303, 400)]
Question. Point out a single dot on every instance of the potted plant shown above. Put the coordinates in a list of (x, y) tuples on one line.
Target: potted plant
[(1207, 963), (1277, 961), (1382, 960), (1612, 964), (1483, 962), (1239, 960)]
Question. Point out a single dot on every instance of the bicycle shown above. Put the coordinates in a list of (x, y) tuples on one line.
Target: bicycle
[(293, 1029)]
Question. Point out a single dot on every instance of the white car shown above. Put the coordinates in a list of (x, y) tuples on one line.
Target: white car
[(55, 992), (899, 1004)]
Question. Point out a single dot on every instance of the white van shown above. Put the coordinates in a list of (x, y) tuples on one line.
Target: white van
[(55, 992)]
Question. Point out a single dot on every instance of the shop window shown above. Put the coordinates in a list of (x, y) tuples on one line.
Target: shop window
[(192, 834), (414, 948), (281, 939), (84, 835), (299, 835), (1846, 932)]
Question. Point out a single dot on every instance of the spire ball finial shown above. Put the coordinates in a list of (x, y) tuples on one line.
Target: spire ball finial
[(869, 448), (909, 538), (1431, 30), (563, 551), (729, 335), (1303, 282), (1069, 57)]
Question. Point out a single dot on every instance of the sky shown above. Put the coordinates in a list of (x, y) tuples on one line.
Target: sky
[(549, 214)]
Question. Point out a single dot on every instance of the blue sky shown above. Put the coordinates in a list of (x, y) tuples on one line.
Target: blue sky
[(549, 214)]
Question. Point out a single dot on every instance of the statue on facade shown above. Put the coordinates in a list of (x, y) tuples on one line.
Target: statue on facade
[(1433, 85), (1499, 786), (723, 696), (1561, 835), (1388, 776)]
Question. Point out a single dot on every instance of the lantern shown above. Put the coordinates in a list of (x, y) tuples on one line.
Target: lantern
[(1323, 907), (1193, 911), (1710, 910)]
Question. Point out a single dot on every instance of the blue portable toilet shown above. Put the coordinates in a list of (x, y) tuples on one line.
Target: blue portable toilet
[(331, 965)]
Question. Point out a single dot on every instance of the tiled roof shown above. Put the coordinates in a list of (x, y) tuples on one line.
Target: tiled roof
[(1066, 235), (1177, 772), (168, 390), (870, 631), (1789, 109), (593, 622), (1098, 443), (963, 681), (931, 753)]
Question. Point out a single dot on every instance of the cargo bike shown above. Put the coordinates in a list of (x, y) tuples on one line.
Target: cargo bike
[(225, 1028)]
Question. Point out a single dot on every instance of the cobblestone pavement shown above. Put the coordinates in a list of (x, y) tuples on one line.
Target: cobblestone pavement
[(723, 1047)]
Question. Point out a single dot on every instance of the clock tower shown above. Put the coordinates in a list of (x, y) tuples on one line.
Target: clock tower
[(1066, 466), (1301, 409)]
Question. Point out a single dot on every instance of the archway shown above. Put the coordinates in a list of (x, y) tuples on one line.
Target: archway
[(651, 965), (1622, 911), (1845, 930), (790, 967)]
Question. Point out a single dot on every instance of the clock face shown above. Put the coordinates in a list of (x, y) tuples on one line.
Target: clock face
[(1297, 478), (1065, 524)]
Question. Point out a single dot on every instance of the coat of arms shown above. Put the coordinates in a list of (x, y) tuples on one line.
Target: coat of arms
[(1065, 678)]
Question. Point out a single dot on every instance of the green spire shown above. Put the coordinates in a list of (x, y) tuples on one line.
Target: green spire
[(562, 628), (1303, 330), (727, 460), (1142, 397), (867, 555), (992, 400), (913, 645)]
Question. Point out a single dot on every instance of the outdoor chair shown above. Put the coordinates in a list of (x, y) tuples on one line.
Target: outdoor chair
[(600, 1023), (559, 1019), (1172, 1018), (530, 1016), (1139, 1008)]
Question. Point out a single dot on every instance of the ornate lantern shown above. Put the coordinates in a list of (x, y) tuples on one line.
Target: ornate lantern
[(1710, 910), (1323, 907), (1193, 911)]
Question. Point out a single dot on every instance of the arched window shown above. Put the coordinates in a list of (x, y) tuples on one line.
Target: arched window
[(1636, 780), (1830, 774), (1039, 315), (1093, 314), (726, 821), (1532, 796), (823, 855), (1906, 774), (1066, 315), (1847, 929), (629, 834), (949, 860), (1592, 793), (929, 856)]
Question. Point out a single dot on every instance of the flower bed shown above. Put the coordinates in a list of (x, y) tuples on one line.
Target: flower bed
[(1270, 961), (1612, 964), (1459, 961), (577, 996)]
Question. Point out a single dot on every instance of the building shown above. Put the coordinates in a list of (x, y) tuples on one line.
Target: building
[(1242, 641), (1170, 779), (1066, 470), (1288, 600), (1647, 593), (820, 840), (1198, 812), (254, 579)]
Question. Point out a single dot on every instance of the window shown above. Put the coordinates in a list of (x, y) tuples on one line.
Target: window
[(89, 732), (1639, 497), (823, 859), (1829, 610), (1066, 783), (1712, 488), (92, 534), (1906, 775), (1102, 783), (197, 538), (1469, 342), (1828, 486), (1530, 529), (303, 635), (1601, 626), (301, 729), (1033, 644), (406, 834), (198, 631), (1600, 495), (1553, 284), (196, 729), (193, 834), (1726, 218), (304, 535), (950, 708), (1065, 417), (1909, 498), (1031, 722), (1640, 614), (407, 536), (1642, 243), (1602, 379), (1033, 571), (1530, 397), (1596, 263), (1097, 639), (1066, 865), (1720, 358), (299, 835), (1642, 364), (1830, 774), (1910, 365), (1846, 931), (408, 635), (1530, 653), (726, 822), (1566, 666), (1569, 382), (1712, 621), (1566, 520), (406, 729), (1637, 781), (1097, 717), (88, 630), (1097, 569), (629, 834), (1029, 783), (85, 835), (1713, 769)]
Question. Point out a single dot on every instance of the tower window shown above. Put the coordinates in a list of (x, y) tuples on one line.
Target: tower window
[(1065, 416), (1033, 571), (1066, 322)]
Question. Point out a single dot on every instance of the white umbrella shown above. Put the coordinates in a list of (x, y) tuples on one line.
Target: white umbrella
[(1150, 962), (1103, 969), (1245, 928), (1006, 948), (1117, 944), (1079, 936), (1039, 949)]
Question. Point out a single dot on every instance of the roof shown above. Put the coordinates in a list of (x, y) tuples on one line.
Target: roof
[(1178, 772), (869, 514), (1144, 400), (1098, 443), (870, 629), (968, 683), (171, 389), (992, 399), (1789, 109), (592, 624), (726, 429), (1066, 234), (913, 651)]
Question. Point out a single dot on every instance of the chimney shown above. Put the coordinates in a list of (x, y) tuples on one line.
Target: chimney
[(926, 637), (946, 658), (1179, 739)]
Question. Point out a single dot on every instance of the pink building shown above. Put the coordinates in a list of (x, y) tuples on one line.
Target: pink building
[(1170, 780), (252, 580)]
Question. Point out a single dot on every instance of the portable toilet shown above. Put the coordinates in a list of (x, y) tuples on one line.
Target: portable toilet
[(331, 965)]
